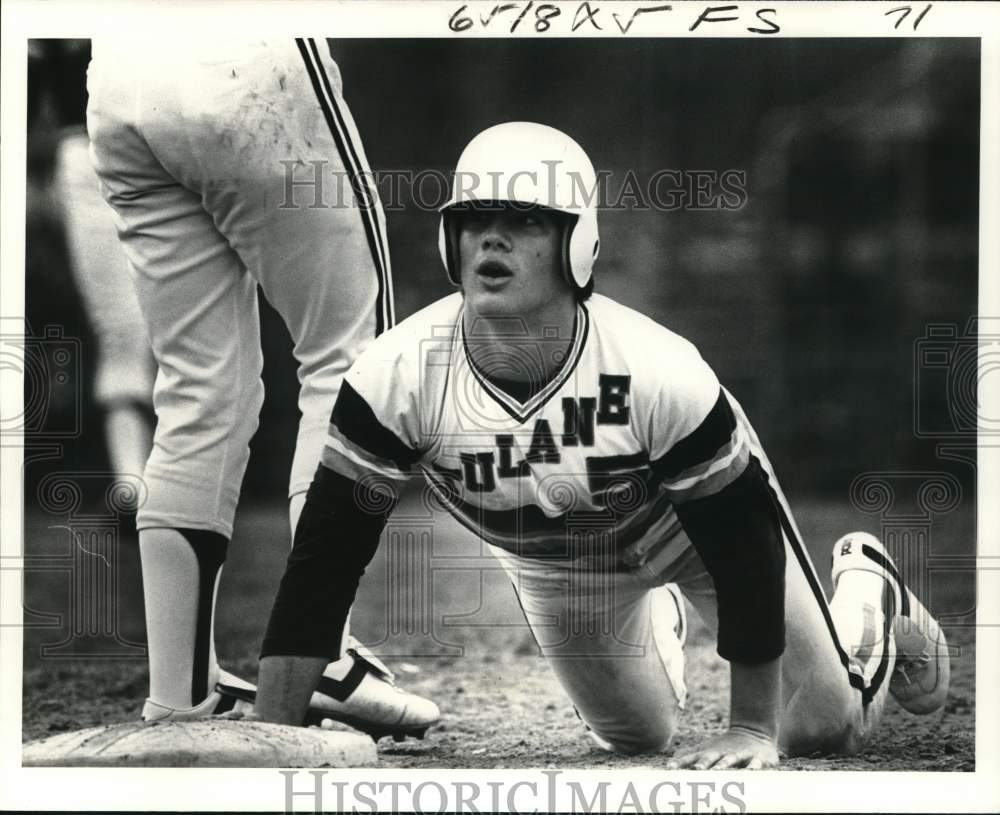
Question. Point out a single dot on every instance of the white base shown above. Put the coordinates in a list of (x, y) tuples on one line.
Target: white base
[(204, 743)]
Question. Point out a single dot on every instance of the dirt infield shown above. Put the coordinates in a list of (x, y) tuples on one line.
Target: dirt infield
[(456, 635)]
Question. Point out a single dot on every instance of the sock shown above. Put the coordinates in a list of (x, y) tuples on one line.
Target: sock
[(180, 578), (859, 609)]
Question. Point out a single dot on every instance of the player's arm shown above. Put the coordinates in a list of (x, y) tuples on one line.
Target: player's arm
[(369, 450), (336, 538), (723, 501), (737, 533)]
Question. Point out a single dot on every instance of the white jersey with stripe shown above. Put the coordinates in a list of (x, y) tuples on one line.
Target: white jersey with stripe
[(633, 423)]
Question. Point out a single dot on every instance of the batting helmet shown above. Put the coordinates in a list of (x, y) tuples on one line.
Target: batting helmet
[(527, 164)]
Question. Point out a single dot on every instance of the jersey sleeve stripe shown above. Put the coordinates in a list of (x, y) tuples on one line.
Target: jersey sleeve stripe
[(723, 456), (719, 476), (340, 455), (357, 423), (702, 444)]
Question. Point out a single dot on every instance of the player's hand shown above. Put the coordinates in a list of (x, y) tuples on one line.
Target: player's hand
[(737, 748)]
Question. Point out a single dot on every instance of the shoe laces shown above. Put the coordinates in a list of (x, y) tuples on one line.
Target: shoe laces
[(907, 664)]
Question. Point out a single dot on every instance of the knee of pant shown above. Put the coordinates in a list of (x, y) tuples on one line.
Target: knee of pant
[(816, 723), (229, 422), (650, 737), (809, 737), (235, 406)]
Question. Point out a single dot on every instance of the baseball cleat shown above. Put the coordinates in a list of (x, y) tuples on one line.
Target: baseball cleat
[(230, 693), (922, 673), (366, 699), (920, 678)]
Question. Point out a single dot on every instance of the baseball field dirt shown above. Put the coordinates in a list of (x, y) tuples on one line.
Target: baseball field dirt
[(448, 624)]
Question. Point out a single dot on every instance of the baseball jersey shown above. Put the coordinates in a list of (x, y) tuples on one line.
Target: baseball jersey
[(592, 465), (622, 458)]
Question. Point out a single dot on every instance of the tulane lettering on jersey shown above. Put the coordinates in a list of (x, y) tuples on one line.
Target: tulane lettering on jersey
[(632, 424), (480, 470)]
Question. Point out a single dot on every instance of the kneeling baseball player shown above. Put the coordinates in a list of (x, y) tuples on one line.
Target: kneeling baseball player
[(614, 478)]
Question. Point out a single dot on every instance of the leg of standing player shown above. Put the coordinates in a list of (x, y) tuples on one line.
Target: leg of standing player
[(201, 312), (198, 180)]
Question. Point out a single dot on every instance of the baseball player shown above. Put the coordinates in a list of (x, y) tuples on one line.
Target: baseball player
[(603, 464), (192, 145)]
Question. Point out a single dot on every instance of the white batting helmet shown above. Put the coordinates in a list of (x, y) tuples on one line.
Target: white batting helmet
[(532, 165)]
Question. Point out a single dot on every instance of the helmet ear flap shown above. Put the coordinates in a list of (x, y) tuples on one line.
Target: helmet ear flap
[(567, 259), (448, 247)]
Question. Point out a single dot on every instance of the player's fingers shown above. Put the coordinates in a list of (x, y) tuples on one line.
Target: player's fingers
[(684, 759), (706, 760), (755, 763), (738, 759), (681, 760)]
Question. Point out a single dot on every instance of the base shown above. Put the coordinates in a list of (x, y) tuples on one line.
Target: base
[(203, 743)]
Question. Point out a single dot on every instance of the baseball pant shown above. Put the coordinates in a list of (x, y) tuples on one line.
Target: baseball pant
[(228, 166), (609, 637)]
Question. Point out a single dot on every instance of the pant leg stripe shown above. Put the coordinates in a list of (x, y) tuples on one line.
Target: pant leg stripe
[(345, 149), (371, 199), (352, 162), (869, 691)]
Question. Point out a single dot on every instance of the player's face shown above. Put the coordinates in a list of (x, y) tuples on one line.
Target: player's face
[(510, 261)]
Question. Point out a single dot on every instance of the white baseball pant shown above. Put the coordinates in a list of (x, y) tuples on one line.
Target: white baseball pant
[(207, 153), (609, 637)]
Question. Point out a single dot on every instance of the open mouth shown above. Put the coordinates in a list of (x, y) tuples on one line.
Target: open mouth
[(493, 270)]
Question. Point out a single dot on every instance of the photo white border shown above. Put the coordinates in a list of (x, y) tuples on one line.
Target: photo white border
[(256, 790)]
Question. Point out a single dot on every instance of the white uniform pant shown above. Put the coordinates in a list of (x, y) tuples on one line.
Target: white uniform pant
[(208, 154), (610, 640)]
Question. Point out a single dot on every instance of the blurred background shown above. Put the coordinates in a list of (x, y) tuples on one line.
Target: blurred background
[(857, 231), (833, 297)]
